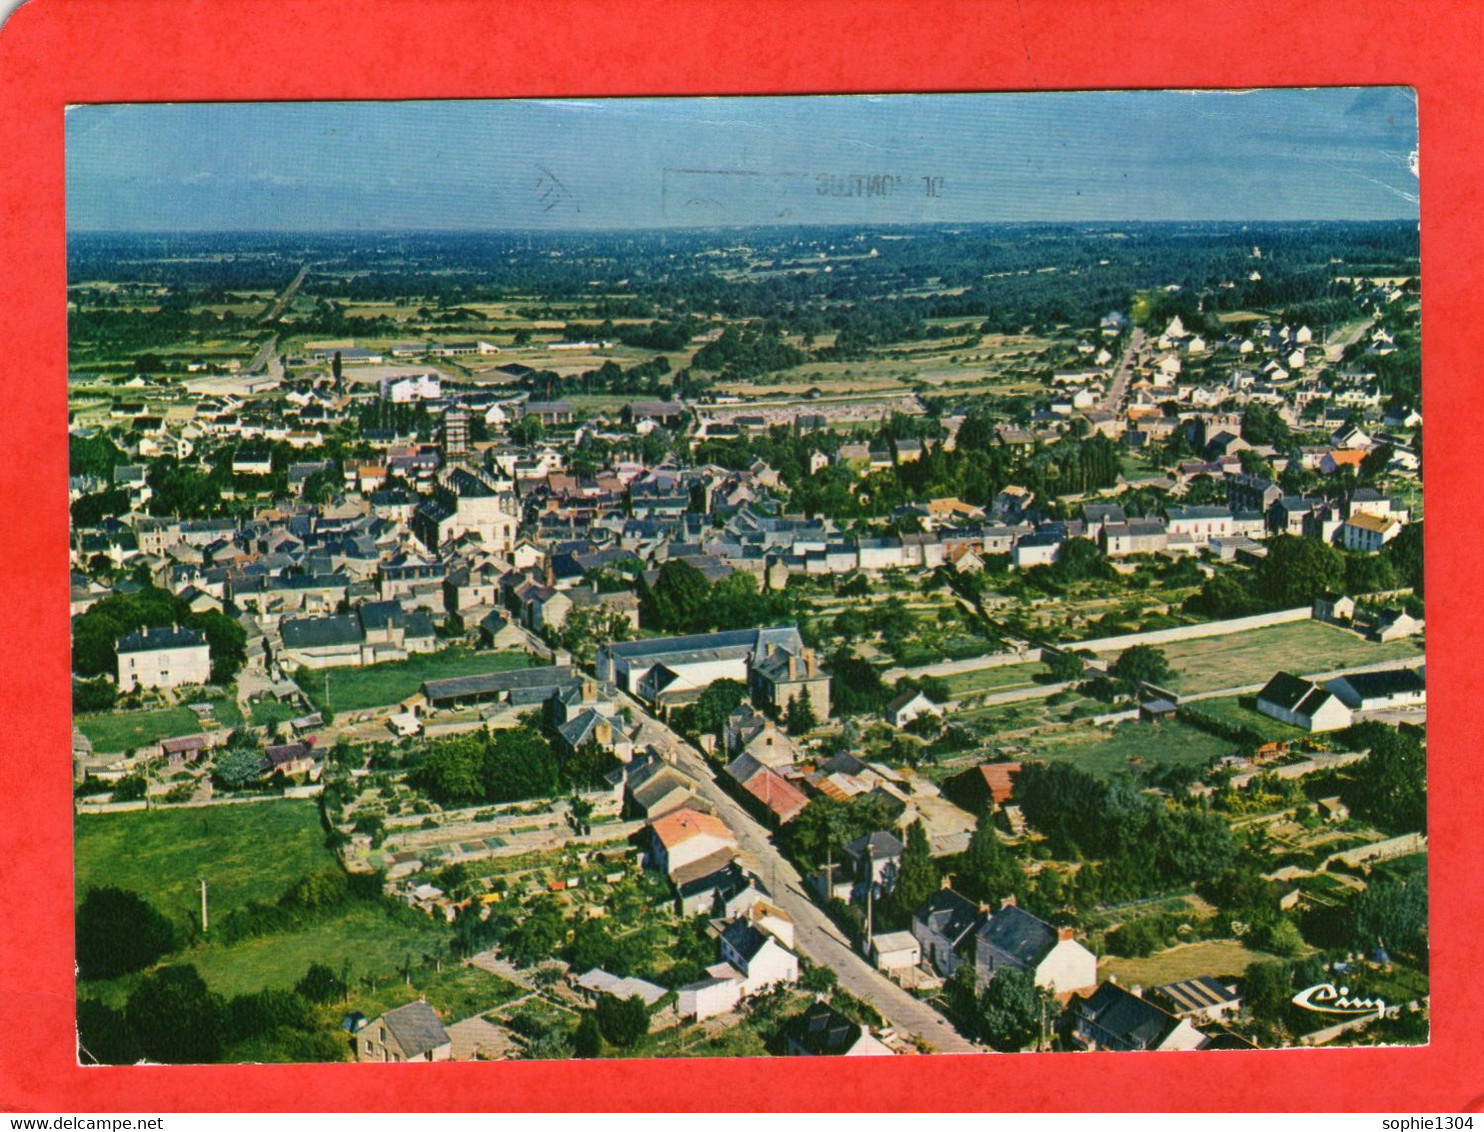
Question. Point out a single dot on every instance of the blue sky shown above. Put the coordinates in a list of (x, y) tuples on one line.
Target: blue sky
[(644, 163)]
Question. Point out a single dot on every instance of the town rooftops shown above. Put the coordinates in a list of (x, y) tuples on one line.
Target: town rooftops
[(152, 640), (416, 1028)]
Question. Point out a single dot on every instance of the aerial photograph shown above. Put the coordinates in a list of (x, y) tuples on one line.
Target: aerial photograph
[(867, 575)]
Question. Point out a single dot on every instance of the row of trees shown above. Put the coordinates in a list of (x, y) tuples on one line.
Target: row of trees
[(507, 765), (683, 600), (171, 1017)]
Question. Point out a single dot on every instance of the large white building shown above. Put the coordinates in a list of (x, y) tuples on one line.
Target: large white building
[(468, 502), (162, 658)]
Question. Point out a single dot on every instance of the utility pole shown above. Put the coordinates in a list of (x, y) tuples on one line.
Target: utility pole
[(204, 923)]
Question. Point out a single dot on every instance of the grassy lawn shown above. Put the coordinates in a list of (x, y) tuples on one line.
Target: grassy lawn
[(265, 713), (1000, 679), (1184, 961), (247, 852), (379, 685), (373, 941), (457, 992), (1253, 657), (254, 852), (122, 730), (1230, 708), (1107, 750)]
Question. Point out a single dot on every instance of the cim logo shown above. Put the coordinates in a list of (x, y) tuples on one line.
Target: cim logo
[(1325, 998)]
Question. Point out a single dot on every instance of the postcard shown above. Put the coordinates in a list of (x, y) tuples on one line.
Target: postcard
[(753, 577)]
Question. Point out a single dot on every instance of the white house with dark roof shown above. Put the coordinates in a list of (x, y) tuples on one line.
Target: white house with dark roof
[(757, 956), (1379, 691), (164, 657), (408, 1033), (1012, 937), (1303, 703)]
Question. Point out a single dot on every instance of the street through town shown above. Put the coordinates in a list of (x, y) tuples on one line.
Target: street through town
[(815, 934)]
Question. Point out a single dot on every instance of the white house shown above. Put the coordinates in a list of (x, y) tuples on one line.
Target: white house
[(1303, 703), (1012, 937), (413, 387), (907, 707), (717, 993), (408, 1033), (895, 951), (1368, 533), (162, 658), (757, 956), (1378, 691)]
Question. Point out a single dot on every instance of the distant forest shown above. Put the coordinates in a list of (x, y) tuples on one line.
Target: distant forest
[(883, 284)]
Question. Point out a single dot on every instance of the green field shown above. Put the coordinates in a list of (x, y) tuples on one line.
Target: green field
[(245, 852), (1230, 709), (1107, 750), (265, 713), (1185, 961), (1253, 657), (1000, 679), (123, 730), (380, 685), (457, 992)]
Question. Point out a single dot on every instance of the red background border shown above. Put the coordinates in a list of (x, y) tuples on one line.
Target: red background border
[(55, 52)]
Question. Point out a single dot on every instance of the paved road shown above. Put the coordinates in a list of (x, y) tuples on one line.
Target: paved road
[(266, 357), (815, 934), (285, 296), (1113, 402)]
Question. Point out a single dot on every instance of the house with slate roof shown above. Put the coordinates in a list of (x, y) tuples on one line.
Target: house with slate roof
[(164, 657), (1377, 691), (822, 1031), (941, 926), (1113, 1018), (408, 1033), (378, 631), (1303, 703), (757, 956), (1012, 937)]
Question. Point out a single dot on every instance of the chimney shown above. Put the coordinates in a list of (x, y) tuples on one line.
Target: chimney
[(1008, 902), (589, 690), (1063, 933)]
